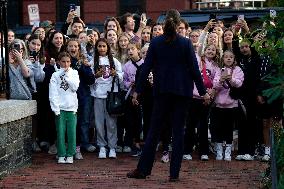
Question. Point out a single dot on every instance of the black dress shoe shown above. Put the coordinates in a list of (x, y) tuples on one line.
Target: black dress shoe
[(136, 174), (172, 179)]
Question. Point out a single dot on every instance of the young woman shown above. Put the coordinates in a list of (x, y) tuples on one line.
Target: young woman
[(106, 68), (224, 113), (198, 112), (146, 35), (53, 48), (87, 78), (112, 37), (123, 41)]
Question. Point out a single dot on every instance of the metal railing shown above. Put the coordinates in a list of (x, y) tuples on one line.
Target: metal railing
[(4, 57)]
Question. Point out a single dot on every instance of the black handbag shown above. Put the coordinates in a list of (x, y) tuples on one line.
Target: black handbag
[(115, 102), (235, 93)]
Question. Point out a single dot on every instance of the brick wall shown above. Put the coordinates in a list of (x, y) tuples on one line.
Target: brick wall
[(98, 10), (15, 145), (154, 8), (47, 10)]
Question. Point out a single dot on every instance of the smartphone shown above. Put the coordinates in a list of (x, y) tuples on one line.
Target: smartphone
[(241, 17), (33, 54), (212, 16), (17, 46), (72, 7), (272, 13), (89, 31)]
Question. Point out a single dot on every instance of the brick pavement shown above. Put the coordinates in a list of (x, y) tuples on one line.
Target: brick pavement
[(108, 173)]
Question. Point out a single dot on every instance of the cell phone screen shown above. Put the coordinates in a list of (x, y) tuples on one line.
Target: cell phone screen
[(72, 7)]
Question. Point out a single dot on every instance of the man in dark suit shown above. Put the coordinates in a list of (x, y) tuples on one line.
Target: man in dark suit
[(175, 68)]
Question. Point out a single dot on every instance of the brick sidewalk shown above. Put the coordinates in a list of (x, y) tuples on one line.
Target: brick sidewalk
[(95, 173)]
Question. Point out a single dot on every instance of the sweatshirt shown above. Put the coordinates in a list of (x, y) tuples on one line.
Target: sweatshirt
[(103, 84), (223, 99), (211, 70), (129, 71), (62, 91)]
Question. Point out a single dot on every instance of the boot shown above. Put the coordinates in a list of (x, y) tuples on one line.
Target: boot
[(219, 151), (228, 152)]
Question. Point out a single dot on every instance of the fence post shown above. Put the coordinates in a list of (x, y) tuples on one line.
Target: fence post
[(273, 160), (4, 75)]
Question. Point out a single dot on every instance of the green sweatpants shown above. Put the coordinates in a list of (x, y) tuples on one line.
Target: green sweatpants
[(66, 121)]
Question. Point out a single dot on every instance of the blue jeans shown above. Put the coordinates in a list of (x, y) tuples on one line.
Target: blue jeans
[(85, 111)]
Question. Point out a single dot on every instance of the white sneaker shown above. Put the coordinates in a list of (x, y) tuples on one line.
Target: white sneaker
[(165, 158), (61, 160), (102, 153), (112, 153), (204, 158), (265, 158), (118, 149), (52, 149), (69, 160), (247, 157), (126, 149), (187, 157), (239, 157)]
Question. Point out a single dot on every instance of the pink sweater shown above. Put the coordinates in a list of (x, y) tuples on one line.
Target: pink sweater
[(211, 70), (223, 99)]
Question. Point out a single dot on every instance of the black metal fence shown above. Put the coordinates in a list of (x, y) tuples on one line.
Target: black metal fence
[(273, 160), (4, 57)]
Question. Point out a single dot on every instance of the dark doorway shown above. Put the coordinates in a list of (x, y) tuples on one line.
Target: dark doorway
[(132, 6), (14, 13)]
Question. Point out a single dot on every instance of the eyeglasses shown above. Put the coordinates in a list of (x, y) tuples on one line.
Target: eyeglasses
[(194, 35)]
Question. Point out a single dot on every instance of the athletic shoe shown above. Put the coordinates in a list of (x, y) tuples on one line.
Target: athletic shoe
[(265, 158), (247, 157), (166, 157), (90, 148), (126, 149), (102, 153), (118, 149), (204, 158), (187, 157), (239, 157), (78, 154), (52, 149), (112, 153), (69, 160), (61, 160), (35, 147)]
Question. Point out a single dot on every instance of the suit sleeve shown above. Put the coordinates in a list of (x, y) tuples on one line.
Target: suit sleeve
[(194, 69)]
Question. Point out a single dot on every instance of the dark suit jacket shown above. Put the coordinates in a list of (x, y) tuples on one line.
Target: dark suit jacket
[(174, 66)]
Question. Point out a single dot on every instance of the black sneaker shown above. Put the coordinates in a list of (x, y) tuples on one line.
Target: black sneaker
[(136, 152)]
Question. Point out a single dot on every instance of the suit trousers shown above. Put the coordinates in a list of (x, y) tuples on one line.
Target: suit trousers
[(174, 107)]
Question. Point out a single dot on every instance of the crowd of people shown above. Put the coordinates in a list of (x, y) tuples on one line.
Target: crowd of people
[(70, 72)]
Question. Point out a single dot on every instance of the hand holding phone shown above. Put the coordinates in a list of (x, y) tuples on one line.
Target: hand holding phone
[(72, 7)]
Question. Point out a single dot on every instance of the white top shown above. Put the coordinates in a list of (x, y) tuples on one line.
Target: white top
[(103, 84), (62, 91)]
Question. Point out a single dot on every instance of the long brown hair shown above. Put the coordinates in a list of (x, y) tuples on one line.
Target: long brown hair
[(97, 55)]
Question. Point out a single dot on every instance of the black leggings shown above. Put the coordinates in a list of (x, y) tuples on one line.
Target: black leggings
[(222, 124)]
